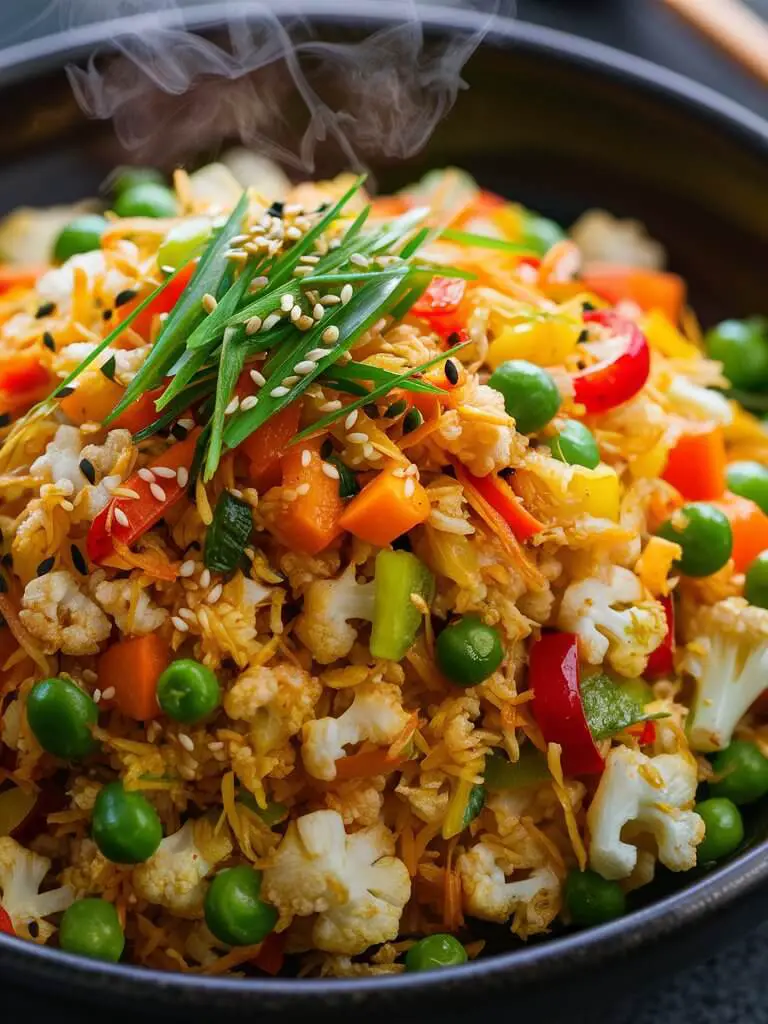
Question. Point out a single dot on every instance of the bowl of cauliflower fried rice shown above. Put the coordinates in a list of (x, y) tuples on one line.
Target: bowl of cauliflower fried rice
[(384, 571)]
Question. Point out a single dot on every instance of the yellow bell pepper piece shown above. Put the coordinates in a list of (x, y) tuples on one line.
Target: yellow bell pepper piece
[(454, 817), (509, 218), (597, 491), (663, 336), (545, 340), (651, 463), (654, 565)]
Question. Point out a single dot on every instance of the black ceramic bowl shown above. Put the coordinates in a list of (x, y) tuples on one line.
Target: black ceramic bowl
[(562, 124)]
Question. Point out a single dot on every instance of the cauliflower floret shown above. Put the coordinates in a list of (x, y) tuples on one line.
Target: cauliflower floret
[(639, 795), (21, 875), (174, 875), (56, 613), (429, 799), (534, 899), (693, 400), (358, 801), (130, 605), (626, 635), (606, 239), (62, 459), (727, 655), (352, 882), (276, 701), (376, 714), (483, 445), (323, 625)]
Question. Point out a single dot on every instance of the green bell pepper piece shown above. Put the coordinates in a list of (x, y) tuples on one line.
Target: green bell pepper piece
[(608, 707), (396, 619), (530, 769)]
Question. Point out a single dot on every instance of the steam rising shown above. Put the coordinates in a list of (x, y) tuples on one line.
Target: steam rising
[(271, 82)]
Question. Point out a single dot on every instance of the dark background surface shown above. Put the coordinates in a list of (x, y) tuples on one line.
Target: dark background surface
[(730, 987)]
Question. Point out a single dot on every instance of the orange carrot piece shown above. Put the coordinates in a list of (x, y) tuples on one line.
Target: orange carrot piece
[(133, 667), (266, 446), (385, 509), (19, 277), (22, 373), (650, 289), (696, 465), (271, 956), (164, 303), (749, 525), (367, 763), (312, 520)]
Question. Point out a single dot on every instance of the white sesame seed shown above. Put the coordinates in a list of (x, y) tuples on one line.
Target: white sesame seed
[(186, 742), (357, 437), (292, 209), (296, 312), (89, 676), (351, 419), (330, 470), (214, 594), (188, 614), (330, 300), (258, 378), (318, 311), (412, 470), (232, 407), (205, 577), (108, 694), (308, 258), (368, 450), (293, 233), (235, 492), (305, 366), (303, 489), (306, 457), (334, 244), (302, 222), (302, 271), (249, 403), (215, 745), (121, 517), (279, 392), (187, 568), (209, 302), (146, 475), (330, 334), (258, 283), (359, 260), (186, 423), (286, 302), (318, 353), (333, 406), (346, 294), (290, 380), (410, 487), (373, 455), (271, 320), (182, 476), (164, 472), (180, 624), (253, 325), (157, 492), (304, 323)]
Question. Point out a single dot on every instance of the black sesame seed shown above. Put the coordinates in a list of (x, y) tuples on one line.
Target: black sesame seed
[(412, 420), (583, 336), (34, 929), (454, 338), (78, 560), (107, 314), (63, 392), (451, 371), (86, 468), (395, 410), (276, 209), (371, 410), (7, 560), (45, 310), (46, 565), (48, 341), (326, 449), (588, 307), (108, 368), (127, 295), (179, 432), (5, 419)]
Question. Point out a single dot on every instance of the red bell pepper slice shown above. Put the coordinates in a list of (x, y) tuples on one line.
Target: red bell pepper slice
[(6, 925), (605, 385), (553, 668), (661, 662), (143, 512), (164, 302), (440, 306), (22, 373), (500, 496)]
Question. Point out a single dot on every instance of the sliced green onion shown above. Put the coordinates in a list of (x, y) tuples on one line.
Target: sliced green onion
[(228, 534)]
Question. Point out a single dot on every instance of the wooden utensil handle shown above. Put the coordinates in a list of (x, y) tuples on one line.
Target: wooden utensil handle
[(733, 27)]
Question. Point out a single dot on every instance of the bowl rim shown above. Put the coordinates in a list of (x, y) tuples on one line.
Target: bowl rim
[(660, 919)]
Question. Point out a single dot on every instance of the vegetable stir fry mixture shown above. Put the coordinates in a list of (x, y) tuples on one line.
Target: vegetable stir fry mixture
[(370, 568)]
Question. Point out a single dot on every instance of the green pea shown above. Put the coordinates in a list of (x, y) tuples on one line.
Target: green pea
[(724, 829), (756, 581), (435, 951), (91, 928), (234, 911), (468, 651), (125, 825), (741, 771), (576, 445), (128, 177), (704, 534), (183, 242), (540, 233), (62, 717), (750, 480), (188, 691), (83, 234), (530, 393), (592, 899), (147, 200), (742, 347)]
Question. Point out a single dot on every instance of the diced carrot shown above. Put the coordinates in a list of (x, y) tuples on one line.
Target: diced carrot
[(133, 667), (749, 525), (650, 289), (19, 277), (141, 413), (92, 400), (310, 521), (22, 373), (696, 465), (266, 446), (164, 303), (386, 508)]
